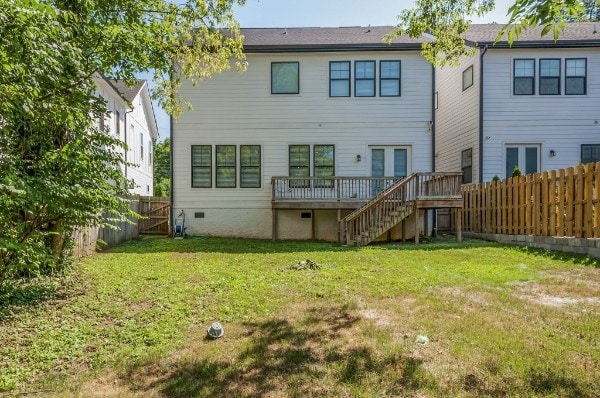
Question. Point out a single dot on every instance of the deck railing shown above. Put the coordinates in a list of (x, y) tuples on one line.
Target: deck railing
[(308, 189)]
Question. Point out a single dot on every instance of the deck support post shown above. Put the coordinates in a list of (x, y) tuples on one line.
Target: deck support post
[(339, 225), (458, 218), (274, 224), (417, 211)]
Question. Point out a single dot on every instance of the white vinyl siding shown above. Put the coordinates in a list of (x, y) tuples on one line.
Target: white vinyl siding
[(233, 108), (558, 123)]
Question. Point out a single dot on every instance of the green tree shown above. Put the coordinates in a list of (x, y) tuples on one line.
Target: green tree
[(58, 170), (162, 168), (448, 20)]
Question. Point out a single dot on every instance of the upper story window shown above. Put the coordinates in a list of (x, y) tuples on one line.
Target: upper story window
[(150, 152), (576, 76), (524, 77), (549, 77), (364, 78), (201, 166), (141, 146), (117, 123), (339, 79), (467, 78), (285, 78), (389, 78)]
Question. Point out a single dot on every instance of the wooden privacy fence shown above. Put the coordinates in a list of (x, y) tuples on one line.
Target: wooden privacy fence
[(562, 202), (155, 213), (155, 220)]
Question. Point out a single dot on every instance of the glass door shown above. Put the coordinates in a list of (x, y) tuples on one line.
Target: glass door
[(388, 161)]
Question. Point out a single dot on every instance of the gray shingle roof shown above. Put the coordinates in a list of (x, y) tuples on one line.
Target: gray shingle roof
[(574, 32), (324, 38), (129, 93)]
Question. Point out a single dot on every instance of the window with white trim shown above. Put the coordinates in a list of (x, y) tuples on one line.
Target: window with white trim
[(250, 166), (575, 76), (524, 76), (201, 166), (364, 78)]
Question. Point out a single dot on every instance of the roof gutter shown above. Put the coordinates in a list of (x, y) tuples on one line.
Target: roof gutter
[(485, 48), (303, 48)]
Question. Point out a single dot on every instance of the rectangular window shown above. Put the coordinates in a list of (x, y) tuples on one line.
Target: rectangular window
[(576, 76), (201, 166), (467, 166), (549, 77), (467, 78), (590, 153), (141, 146), (324, 164), (524, 77), (389, 78), (225, 166), (299, 165), (250, 166), (364, 78), (150, 152), (339, 79), (118, 123), (285, 78)]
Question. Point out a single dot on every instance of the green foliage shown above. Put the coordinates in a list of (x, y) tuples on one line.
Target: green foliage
[(58, 170), (448, 20), (162, 168), (517, 172), (496, 178)]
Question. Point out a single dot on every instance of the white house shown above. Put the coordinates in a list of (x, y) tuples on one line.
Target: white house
[(535, 105), (304, 136), (131, 118)]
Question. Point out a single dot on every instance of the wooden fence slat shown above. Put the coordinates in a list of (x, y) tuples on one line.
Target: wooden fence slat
[(544, 203), (596, 199), (552, 204), (569, 201), (561, 211), (587, 200), (578, 198)]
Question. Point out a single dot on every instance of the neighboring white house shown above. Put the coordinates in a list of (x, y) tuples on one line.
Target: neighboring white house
[(131, 118), (535, 104), (313, 102)]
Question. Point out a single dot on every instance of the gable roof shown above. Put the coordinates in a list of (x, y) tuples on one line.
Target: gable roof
[(576, 34), (325, 39), (129, 93)]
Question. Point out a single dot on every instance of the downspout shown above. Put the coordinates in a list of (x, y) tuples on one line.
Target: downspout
[(433, 89), (485, 48)]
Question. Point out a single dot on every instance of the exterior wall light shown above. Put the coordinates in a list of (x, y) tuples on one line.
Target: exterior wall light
[(552, 153), (358, 158)]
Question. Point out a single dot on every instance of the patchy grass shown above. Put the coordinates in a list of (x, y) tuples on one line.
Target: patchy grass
[(501, 321)]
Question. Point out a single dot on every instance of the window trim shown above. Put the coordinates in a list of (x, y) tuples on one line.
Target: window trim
[(210, 166), (364, 79), (297, 77), (523, 77), (141, 147), (581, 152), (470, 70), (540, 77), (463, 165), (228, 167), (299, 183), (584, 77), (349, 79), (259, 166), (399, 78), (323, 184)]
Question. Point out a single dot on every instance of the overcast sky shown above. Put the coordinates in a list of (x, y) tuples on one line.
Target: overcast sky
[(323, 13)]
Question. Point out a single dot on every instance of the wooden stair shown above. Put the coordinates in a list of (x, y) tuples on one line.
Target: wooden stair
[(381, 213)]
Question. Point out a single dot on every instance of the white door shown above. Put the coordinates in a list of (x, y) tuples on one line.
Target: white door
[(525, 156), (388, 161)]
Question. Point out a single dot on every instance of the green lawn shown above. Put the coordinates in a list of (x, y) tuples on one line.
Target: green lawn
[(501, 321)]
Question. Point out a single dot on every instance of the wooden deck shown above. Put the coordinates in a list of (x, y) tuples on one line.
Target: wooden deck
[(384, 201)]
